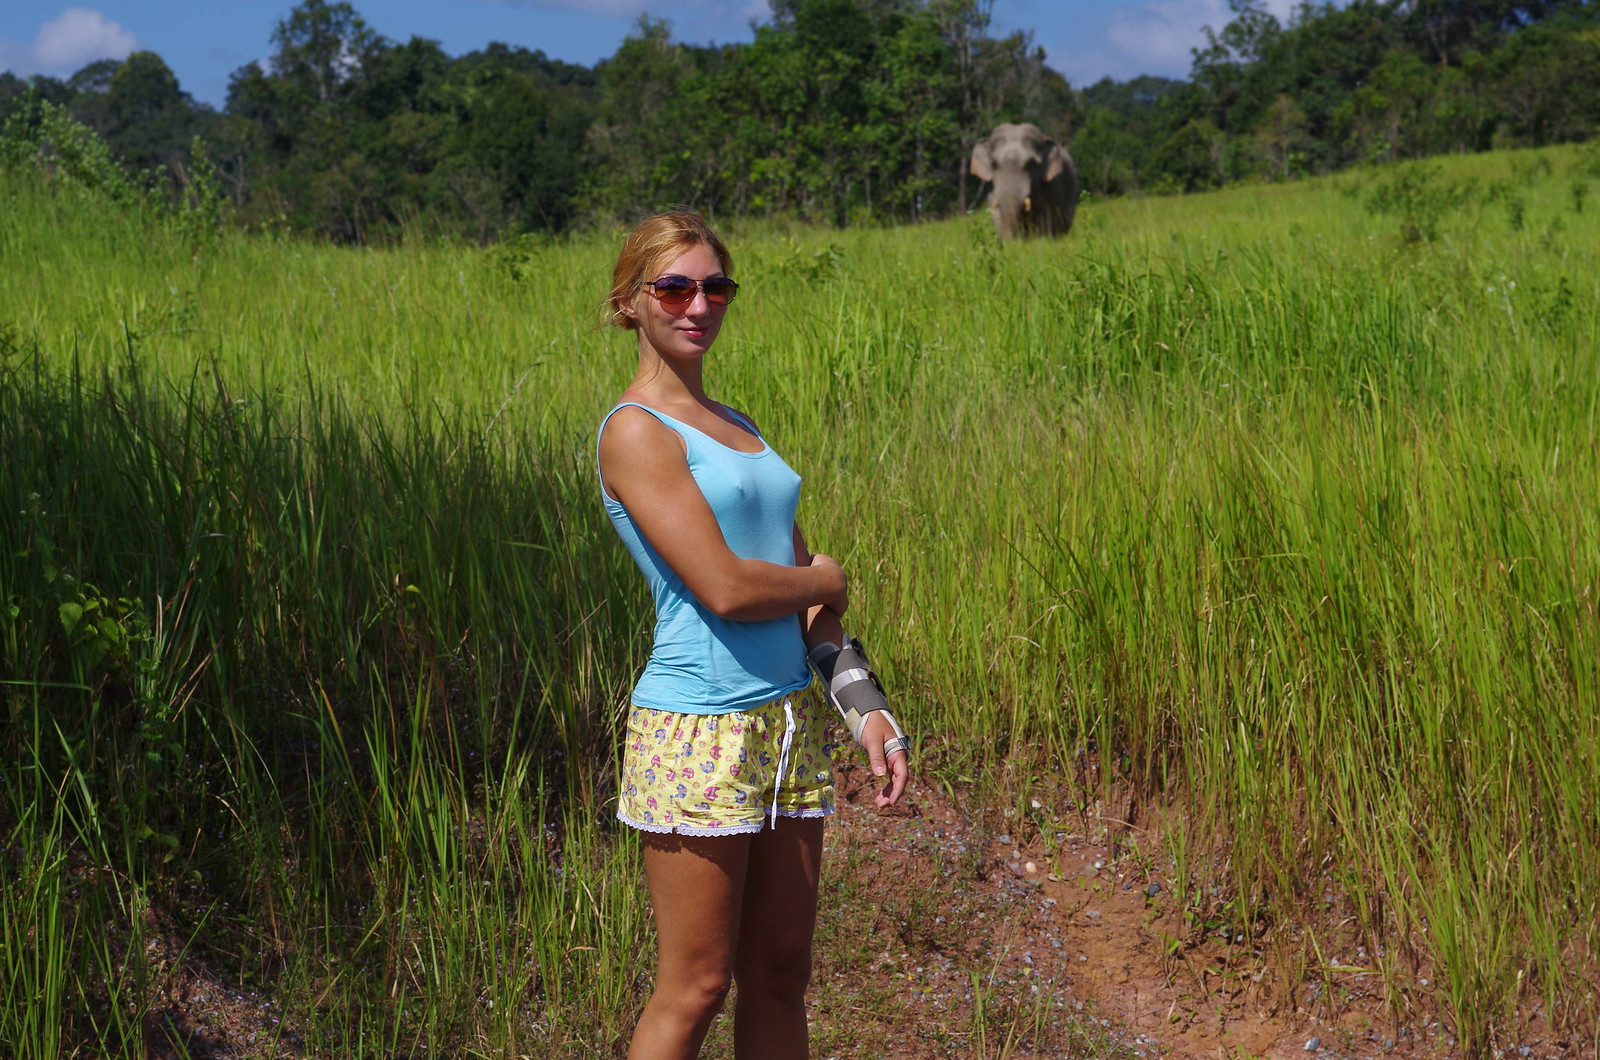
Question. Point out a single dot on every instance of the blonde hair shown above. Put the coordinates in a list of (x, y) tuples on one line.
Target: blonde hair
[(652, 243)]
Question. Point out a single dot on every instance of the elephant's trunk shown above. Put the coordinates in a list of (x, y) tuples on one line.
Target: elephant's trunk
[(1010, 203)]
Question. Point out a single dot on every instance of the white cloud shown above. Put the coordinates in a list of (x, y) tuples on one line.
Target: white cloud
[(67, 43), (1163, 31), (1155, 37)]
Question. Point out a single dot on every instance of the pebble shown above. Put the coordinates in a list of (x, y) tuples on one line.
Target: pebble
[(1153, 890), (1030, 867), (1313, 1044), (1093, 914)]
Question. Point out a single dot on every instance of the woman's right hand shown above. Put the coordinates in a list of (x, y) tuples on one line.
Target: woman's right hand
[(840, 603)]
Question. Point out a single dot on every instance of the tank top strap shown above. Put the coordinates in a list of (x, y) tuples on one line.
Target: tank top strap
[(742, 418)]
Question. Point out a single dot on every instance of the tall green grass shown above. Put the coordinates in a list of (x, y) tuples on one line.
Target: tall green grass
[(1241, 497)]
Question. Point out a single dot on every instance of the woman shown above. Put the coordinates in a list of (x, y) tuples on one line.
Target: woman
[(725, 769)]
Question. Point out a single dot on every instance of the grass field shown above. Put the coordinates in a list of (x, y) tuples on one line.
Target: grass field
[(1277, 504)]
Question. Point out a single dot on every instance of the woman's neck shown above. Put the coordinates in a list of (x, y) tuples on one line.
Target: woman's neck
[(669, 382)]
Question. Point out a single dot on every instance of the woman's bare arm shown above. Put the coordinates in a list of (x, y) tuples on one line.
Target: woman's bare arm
[(643, 465)]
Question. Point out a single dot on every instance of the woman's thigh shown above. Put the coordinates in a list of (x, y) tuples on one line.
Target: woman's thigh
[(697, 886), (735, 904), (779, 914)]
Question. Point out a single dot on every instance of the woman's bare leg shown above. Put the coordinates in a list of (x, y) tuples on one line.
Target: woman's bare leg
[(773, 964), (696, 886)]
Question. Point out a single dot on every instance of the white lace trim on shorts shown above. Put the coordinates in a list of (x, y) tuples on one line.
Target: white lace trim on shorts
[(732, 829)]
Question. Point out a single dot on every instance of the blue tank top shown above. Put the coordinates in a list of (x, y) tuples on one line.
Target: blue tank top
[(702, 663)]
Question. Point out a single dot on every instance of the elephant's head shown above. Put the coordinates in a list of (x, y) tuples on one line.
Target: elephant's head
[(1035, 186)]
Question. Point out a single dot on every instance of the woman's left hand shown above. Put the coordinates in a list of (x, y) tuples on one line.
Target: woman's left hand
[(896, 769)]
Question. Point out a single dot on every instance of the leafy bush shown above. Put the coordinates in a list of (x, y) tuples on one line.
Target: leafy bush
[(1420, 197), (44, 135)]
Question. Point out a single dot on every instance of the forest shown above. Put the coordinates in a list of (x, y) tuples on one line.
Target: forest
[(839, 111)]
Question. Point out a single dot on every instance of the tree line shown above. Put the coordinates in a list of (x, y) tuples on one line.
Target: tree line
[(1366, 82), (839, 111)]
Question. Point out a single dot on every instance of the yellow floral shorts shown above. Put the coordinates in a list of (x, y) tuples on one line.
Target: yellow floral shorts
[(714, 774)]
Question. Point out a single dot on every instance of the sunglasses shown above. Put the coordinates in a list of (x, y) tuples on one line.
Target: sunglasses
[(675, 291)]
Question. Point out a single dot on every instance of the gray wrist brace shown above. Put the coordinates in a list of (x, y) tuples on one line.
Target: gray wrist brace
[(855, 691)]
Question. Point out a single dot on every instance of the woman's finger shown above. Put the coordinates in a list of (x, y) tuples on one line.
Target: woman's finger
[(899, 773)]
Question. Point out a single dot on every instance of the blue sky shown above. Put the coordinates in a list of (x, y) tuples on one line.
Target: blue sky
[(206, 40)]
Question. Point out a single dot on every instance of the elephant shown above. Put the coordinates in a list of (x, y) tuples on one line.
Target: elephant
[(1035, 184)]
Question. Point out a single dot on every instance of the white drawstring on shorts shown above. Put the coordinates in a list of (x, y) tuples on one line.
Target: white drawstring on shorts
[(783, 756)]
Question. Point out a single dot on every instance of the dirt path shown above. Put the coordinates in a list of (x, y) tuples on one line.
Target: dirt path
[(944, 935)]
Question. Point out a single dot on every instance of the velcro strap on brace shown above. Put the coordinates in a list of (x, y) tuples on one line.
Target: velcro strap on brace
[(854, 689)]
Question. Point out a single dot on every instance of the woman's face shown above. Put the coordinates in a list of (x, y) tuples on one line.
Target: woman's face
[(686, 331)]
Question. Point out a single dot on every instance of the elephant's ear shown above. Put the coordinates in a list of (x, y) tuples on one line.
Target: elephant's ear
[(1058, 163), (982, 161)]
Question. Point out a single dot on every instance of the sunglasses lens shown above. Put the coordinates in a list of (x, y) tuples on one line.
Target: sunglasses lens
[(674, 290), (719, 292)]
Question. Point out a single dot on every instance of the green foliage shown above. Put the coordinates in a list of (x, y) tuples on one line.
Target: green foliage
[(1420, 197), (45, 139), (800, 262), (145, 118), (356, 138), (100, 631), (843, 111), (42, 136), (526, 258), (164, 715), (1111, 147), (1283, 139), (322, 52), (1372, 81), (1400, 112), (201, 209)]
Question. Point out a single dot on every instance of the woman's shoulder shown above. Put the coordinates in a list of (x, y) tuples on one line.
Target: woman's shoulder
[(632, 420), (632, 427), (635, 446)]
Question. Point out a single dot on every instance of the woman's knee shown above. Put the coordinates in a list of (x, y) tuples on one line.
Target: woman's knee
[(696, 995), (782, 973)]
